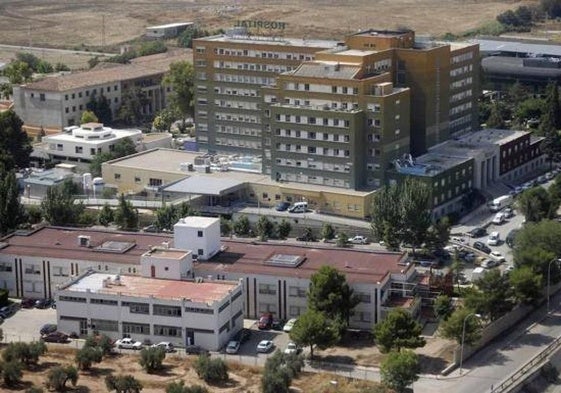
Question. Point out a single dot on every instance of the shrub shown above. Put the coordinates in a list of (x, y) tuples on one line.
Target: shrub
[(123, 384), (27, 353), (58, 376), (151, 359), (211, 370), (11, 373), (86, 356), (179, 387)]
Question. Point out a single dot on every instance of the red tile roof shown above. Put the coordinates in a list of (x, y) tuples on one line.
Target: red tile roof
[(359, 266), (57, 242)]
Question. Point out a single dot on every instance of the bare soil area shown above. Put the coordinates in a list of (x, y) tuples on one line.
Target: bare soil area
[(74, 24), (243, 379)]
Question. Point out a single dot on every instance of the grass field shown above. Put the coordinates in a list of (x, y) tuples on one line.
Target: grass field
[(73, 24)]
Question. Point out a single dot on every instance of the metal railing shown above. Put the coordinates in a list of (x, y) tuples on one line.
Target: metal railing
[(519, 376)]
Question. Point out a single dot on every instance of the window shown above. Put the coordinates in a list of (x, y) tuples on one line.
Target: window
[(297, 292), (72, 299), (104, 301), (137, 308), (136, 328), (168, 331), (364, 297), (199, 310), (32, 269), (79, 149), (267, 289), (105, 325), (200, 251), (137, 179), (223, 307), (168, 311), (66, 97), (117, 176), (295, 311), (155, 182), (199, 233)]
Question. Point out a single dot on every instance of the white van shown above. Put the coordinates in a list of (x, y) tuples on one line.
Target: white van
[(501, 202), (494, 239), (299, 207)]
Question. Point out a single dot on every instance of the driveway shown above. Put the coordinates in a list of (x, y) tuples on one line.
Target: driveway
[(25, 324)]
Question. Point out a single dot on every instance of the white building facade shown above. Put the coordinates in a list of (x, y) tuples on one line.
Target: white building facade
[(83, 143), (151, 310)]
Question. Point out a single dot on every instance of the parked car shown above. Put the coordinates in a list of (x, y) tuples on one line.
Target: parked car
[(499, 218), (55, 337), (47, 328), (289, 325), (282, 206), (477, 232), (265, 322), (481, 247), (243, 335), (195, 350), (167, 346), (291, 348), (494, 239), (469, 257), (43, 303), (233, 347), (265, 346), (358, 239), (497, 256), (277, 324), (489, 263), (27, 302), (128, 343), (508, 212), (511, 237), (8, 311)]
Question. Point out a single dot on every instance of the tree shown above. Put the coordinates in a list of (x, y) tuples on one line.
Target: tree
[(439, 233), (313, 329), (265, 228), (497, 116), (58, 207), (167, 216), (126, 216), (97, 161), (453, 327), (400, 369), (398, 330), (11, 373), (25, 353), (59, 67), (180, 78), (15, 146), (386, 218), (494, 297), (88, 117), (18, 72), (284, 229), (106, 215), (123, 384), (211, 370), (443, 306), (164, 120), (100, 105), (342, 240), (87, 356), (551, 118), (457, 268), (536, 204), (59, 376), (6, 91), (327, 231), (551, 7), (279, 371), (241, 226), (308, 234), (179, 387), (12, 212), (329, 293), (151, 359), (131, 111), (225, 226), (526, 285)]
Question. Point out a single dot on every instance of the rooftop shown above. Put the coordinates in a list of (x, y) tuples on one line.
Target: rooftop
[(167, 253), (197, 222), (303, 261), (63, 243), (327, 70), (178, 24), (91, 134), (527, 47), (135, 286), (284, 41), (516, 66), (174, 162), (138, 68)]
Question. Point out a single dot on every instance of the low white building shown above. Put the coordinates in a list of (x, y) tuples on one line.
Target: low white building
[(204, 313), (83, 143), (200, 234)]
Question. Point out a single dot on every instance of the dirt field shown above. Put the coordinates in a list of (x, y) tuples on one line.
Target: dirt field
[(73, 24), (243, 379)]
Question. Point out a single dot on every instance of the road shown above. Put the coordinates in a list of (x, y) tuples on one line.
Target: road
[(54, 50)]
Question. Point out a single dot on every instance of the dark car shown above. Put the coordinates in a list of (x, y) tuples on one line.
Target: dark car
[(277, 324), (265, 322), (478, 232), (43, 303), (195, 350), (243, 335), (511, 237), (47, 328), (55, 337), (481, 247), (27, 302), (282, 206), (8, 311)]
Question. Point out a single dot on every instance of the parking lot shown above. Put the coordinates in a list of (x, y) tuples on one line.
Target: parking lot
[(25, 324)]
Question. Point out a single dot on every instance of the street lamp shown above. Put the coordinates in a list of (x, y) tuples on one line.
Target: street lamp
[(464, 337), (548, 280)]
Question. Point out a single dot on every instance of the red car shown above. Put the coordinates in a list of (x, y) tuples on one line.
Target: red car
[(27, 302), (55, 337), (265, 322)]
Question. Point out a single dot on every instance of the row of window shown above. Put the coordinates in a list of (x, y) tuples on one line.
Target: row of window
[(87, 92), (247, 79), (144, 308), (236, 130), (312, 120), (239, 143), (313, 150), (325, 136), (276, 68), (254, 53)]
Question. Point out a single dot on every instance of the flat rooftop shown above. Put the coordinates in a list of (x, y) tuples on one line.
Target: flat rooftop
[(303, 261), (510, 45), (68, 137), (169, 25), (135, 286), (166, 253), (265, 40), (329, 70), (63, 243), (197, 222), (171, 161)]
